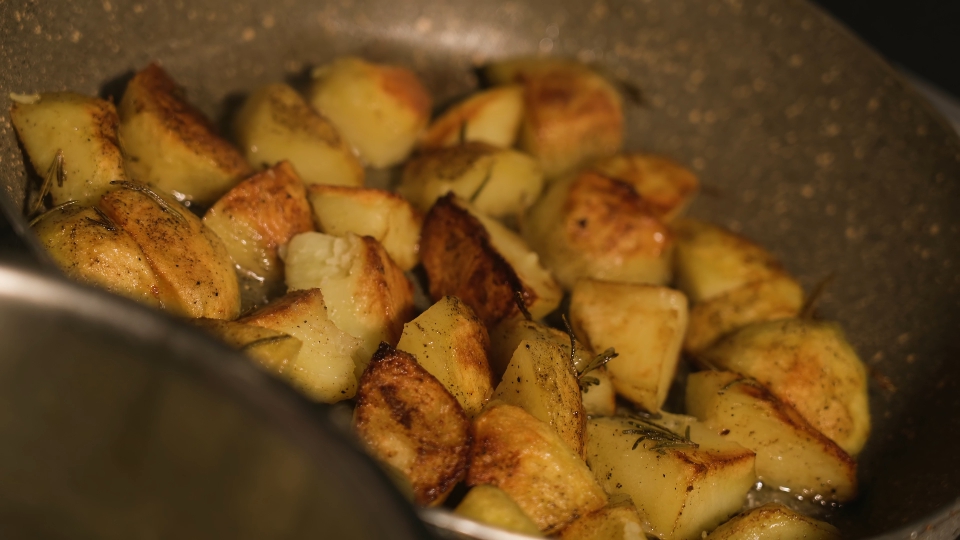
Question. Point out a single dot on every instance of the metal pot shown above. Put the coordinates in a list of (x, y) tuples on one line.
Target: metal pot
[(807, 141)]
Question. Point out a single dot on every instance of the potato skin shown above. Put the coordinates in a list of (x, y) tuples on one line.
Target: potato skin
[(492, 116), (491, 505), (406, 418), (666, 186)]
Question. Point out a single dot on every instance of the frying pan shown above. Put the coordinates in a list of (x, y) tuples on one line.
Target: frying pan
[(805, 141)]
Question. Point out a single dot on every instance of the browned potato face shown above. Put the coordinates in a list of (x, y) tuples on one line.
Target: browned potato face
[(258, 216), (592, 226), (482, 263), (276, 124), (185, 255), (571, 114), (759, 522), (667, 187), (492, 116), (270, 349), (618, 521), (526, 458), (379, 109), (92, 249), (407, 419), (84, 131)]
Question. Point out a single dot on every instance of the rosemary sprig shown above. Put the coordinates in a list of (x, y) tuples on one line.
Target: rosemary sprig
[(483, 183), (810, 305), (264, 341), (663, 437), (103, 220), (56, 208), (54, 172), (598, 361), (163, 204), (518, 298), (586, 382)]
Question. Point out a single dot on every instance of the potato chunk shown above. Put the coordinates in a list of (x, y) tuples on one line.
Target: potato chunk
[(379, 109), (790, 452), (616, 521), (492, 116), (492, 506), (325, 367), (270, 349), (571, 114), (478, 260), (644, 323), (186, 256), (774, 522), (366, 294), (170, 145), (809, 365), (84, 129), (258, 216), (406, 418), (527, 459), (591, 226), (383, 215), (499, 182), (276, 124), (667, 187), (681, 486), (541, 380), (90, 248)]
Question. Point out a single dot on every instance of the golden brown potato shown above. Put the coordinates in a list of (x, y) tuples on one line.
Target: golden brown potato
[(616, 521), (499, 182), (591, 226), (711, 260), (91, 249), (491, 116), (483, 263), (541, 379), (366, 294), (790, 452), (258, 216), (809, 365), (778, 297), (276, 124), (492, 506), (682, 485), (644, 323), (774, 522), (527, 459), (383, 215), (571, 114), (188, 258), (451, 343), (325, 369), (405, 417), (169, 144), (84, 130), (272, 350), (667, 187), (379, 109)]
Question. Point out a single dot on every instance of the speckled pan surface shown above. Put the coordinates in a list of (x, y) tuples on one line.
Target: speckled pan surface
[(808, 142)]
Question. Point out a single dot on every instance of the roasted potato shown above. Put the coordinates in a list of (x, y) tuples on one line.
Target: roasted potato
[(325, 369), (571, 114), (187, 257), (256, 217), (790, 452), (90, 248), (809, 365), (170, 145), (643, 323), (667, 187), (276, 124), (616, 521), (83, 130), (383, 215), (366, 294), (379, 109), (475, 258), (498, 182), (527, 459), (406, 418), (492, 506), (491, 116), (541, 379), (682, 485), (592, 226), (774, 522), (272, 350)]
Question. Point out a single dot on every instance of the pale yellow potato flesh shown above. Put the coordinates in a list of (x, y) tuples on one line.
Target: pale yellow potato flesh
[(774, 522), (809, 365), (616, 521), (492, 506), (84, 129), (451, 343), (270, 349), (379, 109), (277, 124), (644, 323), (380, 214), (490, 116), (665, 185)]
